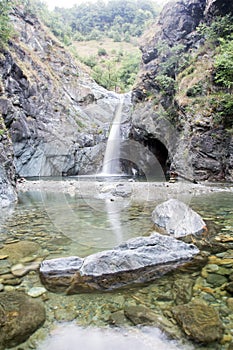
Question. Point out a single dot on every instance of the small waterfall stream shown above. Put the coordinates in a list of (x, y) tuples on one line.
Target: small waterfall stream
[(111, 164)]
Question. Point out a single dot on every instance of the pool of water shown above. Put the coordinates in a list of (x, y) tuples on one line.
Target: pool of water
[(74, 225), (65, 225)]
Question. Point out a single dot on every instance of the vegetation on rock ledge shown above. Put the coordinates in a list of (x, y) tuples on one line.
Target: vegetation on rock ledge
[(5, 26)]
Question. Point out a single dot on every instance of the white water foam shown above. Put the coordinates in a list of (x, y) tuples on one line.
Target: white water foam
[(73, 337)]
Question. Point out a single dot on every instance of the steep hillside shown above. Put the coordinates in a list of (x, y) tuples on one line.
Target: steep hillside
[(57, 116), (103, 35), (181, 106)]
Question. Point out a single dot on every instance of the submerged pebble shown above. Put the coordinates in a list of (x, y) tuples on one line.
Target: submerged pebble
[(36, 292)]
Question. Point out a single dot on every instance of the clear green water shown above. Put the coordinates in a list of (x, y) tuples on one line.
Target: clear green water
[(66, 225), (74, 225)]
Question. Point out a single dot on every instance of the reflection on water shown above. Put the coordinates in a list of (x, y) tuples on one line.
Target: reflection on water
[(83, 226), (70, 225), (113, 214), (72, 337)]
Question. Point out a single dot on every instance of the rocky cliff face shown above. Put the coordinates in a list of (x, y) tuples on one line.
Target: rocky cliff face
[(7, 170), (57, 116), (176, 99)]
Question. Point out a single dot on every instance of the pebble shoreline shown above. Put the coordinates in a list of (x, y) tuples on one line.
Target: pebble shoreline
[(137, 191)]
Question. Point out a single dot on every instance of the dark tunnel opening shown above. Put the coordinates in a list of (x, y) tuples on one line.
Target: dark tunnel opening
[(160, 151)]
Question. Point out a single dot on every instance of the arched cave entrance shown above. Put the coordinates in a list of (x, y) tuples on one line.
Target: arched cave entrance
[(160, 151), (145, 156)]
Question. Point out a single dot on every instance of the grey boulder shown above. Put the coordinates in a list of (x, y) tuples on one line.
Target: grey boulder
[(138, 260), (178, 219)]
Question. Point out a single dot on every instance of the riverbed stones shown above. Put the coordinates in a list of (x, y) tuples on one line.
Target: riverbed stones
[(118, 318), (139, 314), (7, 189), (36, 292), (216, 280), (143, 315), (20, 316), (178, 219), (199, 321), (20, 270), (19, 250), (229, 287), (138, 260)]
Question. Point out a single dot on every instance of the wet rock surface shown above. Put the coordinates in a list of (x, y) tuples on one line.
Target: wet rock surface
[(20, 316), (7, 191), (199, 321), (7, 170), (178, 219), (19, 250), (139, 260)]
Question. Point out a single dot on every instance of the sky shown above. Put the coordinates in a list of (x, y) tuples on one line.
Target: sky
[(70, 3)]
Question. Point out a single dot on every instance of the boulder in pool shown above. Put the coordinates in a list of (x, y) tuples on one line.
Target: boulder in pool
[(200, 321), (139, 260), (178, 219)]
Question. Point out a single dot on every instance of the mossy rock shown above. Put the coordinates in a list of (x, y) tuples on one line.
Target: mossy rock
[(199, 321), (20, 316), (19, 250)]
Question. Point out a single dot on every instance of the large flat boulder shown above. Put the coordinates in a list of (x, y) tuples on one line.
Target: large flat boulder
[(178, 219), (138, 260)]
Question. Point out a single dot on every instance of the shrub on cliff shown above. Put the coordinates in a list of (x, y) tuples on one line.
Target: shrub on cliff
[(5, 26), (224, 63), (221, 27)]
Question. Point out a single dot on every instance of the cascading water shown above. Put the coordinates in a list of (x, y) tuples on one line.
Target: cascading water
[(111, 164)]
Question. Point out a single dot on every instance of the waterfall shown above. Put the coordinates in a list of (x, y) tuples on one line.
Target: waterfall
[(111, 164)]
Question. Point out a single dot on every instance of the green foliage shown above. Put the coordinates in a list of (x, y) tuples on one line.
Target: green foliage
[(224, 63), (95, 34), (106, 76), (165, 84), (114, 77), (128, 70), (90, 61), (221, 27), (5, 26), (222, 107), (102, 52), (173, 59), (195, 90), (117, 19), (35, 7)]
